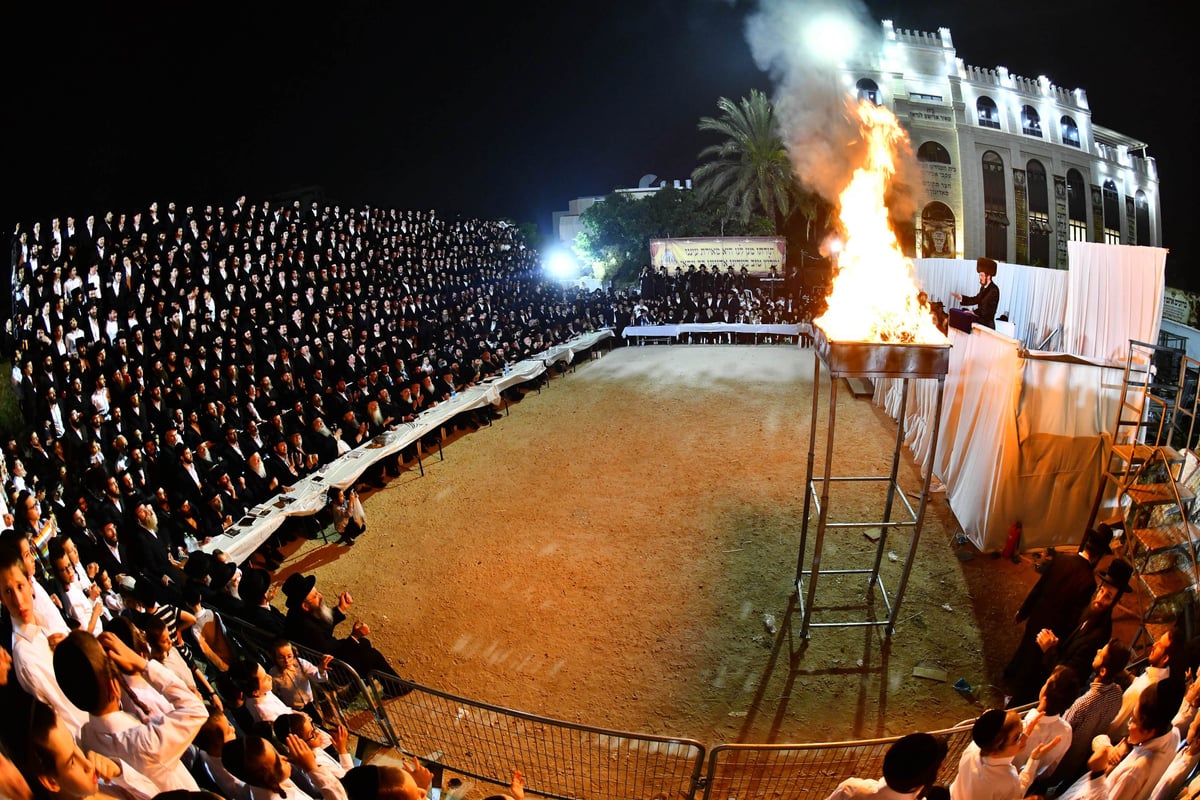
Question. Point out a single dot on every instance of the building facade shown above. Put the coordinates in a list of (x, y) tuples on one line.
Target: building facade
[(1011, 168), (567, 224)]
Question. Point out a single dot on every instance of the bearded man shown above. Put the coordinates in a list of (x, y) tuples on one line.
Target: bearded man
[(310, 622), (151, 550)]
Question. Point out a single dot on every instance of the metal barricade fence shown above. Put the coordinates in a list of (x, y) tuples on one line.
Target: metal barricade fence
[(559, 759), (748, 771), (567, 760), (345, 699)]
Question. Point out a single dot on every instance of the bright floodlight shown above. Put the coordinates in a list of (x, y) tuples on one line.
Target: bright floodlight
[(831, 37), (561, 265)]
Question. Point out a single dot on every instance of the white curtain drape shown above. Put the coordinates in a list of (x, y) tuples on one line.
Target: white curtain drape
[(978, 447), (1022, 432), (1115, 294)]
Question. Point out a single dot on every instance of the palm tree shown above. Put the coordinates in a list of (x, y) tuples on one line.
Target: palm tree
[(749, 171)]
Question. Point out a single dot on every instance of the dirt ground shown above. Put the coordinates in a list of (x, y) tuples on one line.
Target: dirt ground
[(617, 550)]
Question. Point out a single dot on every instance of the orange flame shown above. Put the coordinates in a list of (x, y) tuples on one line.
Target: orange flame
[(874, 297)]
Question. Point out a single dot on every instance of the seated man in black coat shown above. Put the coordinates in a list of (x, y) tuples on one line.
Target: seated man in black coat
[(255, 590), (310, 623)]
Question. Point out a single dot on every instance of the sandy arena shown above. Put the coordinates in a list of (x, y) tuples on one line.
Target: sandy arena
[(611, 551)]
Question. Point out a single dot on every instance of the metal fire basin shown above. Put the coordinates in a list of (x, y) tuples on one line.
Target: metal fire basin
[(881, 359)]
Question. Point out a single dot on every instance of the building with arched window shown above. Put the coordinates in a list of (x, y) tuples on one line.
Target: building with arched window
[(1011, 168)]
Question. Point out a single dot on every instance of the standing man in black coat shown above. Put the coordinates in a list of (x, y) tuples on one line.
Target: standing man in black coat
[(1055, 603), (1078, 648)]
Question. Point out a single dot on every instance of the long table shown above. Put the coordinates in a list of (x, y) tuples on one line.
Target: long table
[(309, 495), (675, 331)]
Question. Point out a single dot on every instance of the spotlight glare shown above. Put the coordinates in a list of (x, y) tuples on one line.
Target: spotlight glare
[(831, 37), (561, 265)]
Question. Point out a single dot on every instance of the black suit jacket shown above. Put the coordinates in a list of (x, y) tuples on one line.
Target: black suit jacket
[(149, 552)]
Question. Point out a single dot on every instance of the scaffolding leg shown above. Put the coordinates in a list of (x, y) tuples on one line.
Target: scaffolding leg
[(812, 445), (819, 544), (912, 548), (891, 491)]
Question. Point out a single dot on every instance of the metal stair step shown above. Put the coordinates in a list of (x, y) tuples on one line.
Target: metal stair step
[(1149, 494), (1166, 584), (1148, 541), (1138, 453)]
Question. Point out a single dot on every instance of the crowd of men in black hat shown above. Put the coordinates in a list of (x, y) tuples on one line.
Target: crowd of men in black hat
[(201, 341), (706, 294)]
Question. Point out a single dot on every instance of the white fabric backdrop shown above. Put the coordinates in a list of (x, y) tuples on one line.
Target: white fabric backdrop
[(978, 441), (1022, 436), (1115, 294)]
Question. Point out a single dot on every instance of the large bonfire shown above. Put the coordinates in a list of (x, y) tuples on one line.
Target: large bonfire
[(874, 297)]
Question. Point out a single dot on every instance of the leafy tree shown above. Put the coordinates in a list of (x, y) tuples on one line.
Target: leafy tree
[(616, 232), (748, 172)]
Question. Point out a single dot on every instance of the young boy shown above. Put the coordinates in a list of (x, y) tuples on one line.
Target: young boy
[(89, 670), (910, 766), (986, 771), (294, 677)]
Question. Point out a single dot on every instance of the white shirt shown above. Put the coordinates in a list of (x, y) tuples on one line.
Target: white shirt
[(325, 782), (1129, 700), (295, 688), (1045, 731), (267, 708), (49, 617), (33, 663), (154, 748), (80, 608), (855, 788), (1134, 777), (983, 777), (1175, 777)]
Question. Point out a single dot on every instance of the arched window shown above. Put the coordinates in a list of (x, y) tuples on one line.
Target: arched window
[(1070, 131), (1112, 213), (933, 153), (995, 205), (989, 115), (868, 90), (1141, 207), (1076, 206), (937, 231), (1039, 214), (1031, 122)]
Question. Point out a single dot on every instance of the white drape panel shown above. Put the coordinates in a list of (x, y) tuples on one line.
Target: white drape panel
[(1034, 298), (1115, 294), (978, 449), (918, 417)]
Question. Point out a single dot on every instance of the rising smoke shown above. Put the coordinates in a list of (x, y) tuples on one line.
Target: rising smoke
[(800, 45)]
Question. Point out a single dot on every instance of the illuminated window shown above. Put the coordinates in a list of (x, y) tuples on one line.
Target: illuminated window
[(1141, 208), (1031, 123), (989, 115), (1070, 132), (868, 90), (995, 204), (1076, 206), (1039, 214), (1112, 213)]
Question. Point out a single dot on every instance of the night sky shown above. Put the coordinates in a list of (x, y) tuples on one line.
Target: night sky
[(485, 109)]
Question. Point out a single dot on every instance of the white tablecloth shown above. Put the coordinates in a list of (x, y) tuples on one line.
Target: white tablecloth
[(308, 495), (674, 331)]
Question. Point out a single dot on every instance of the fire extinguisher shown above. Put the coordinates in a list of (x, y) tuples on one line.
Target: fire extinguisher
[(1014, 538)]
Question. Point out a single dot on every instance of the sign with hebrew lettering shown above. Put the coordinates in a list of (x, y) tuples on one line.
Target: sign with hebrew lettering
[(756, 253)]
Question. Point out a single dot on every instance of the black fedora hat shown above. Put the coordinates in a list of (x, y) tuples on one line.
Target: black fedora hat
[(297, 587), (1118, 574)]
